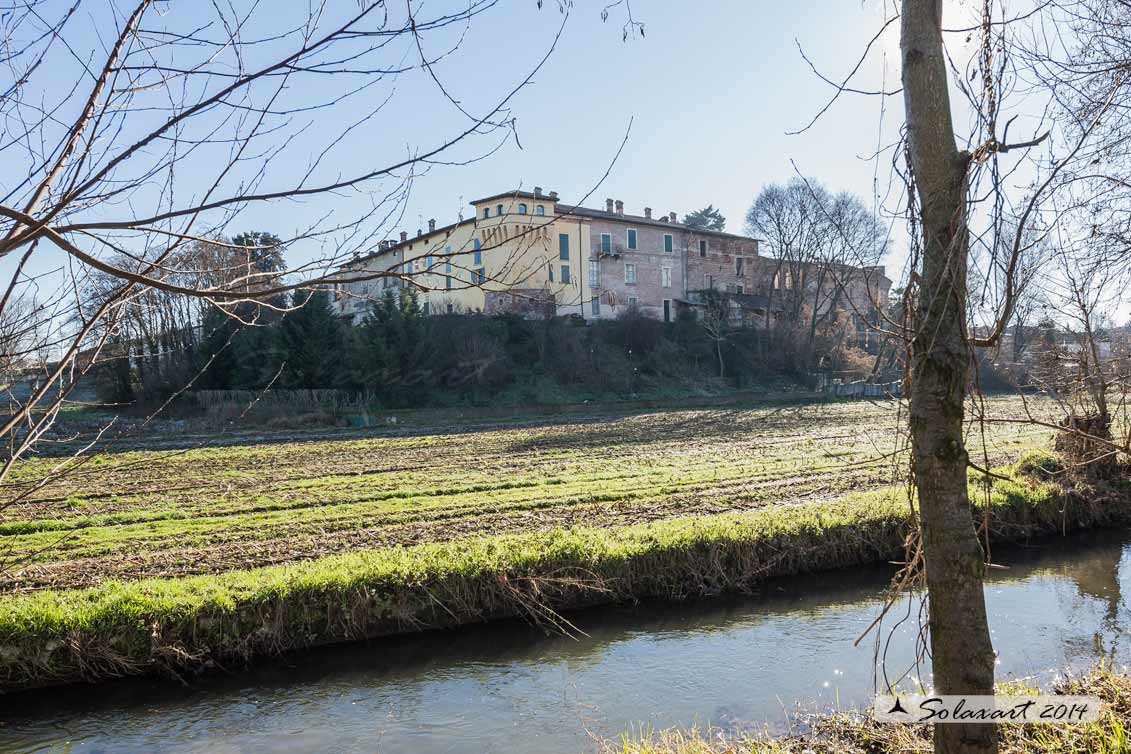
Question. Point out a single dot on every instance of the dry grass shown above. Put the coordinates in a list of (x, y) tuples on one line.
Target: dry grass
[(853, 734)]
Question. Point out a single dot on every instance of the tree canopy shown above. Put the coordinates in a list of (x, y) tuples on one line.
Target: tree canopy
[(707, 218)]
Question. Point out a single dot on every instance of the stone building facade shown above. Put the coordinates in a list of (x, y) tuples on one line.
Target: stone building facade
[(522, 249)]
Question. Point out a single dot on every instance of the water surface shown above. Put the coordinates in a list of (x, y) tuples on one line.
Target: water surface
[(507, 687)]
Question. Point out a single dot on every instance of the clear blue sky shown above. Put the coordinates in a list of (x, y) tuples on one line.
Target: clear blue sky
[(711, 90)]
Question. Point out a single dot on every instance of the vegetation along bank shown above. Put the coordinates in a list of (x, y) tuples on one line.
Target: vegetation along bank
[(186, 624)]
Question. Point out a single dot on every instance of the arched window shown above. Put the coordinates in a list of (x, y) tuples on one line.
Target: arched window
[(539, 209), (522, 209), (499, 210), (486, 212)]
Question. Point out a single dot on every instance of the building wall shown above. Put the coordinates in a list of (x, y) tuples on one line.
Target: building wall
[(521, 249), (444, 266), (613, 291), (716, 266)]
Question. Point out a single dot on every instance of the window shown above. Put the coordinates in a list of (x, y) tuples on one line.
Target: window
[(448, 265), (630, 274), (563, 247), (667, 310), (665, 277), (631, 239), (594, 273), (477, 257), (522, 209), (595, 306), (448, 282), (550, 271), (451, 308), (486, 212), (565, 274), (426, 309), (499, 210), (480, 275), (739, 289), (539, 209), (703, 248), (606, 243), (669, 243), (740, 266), (631, 302), (777, 281), (431, 262), (711, 282)]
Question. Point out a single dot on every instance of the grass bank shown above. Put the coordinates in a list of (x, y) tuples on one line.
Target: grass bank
[(197, 622), (853, 734)]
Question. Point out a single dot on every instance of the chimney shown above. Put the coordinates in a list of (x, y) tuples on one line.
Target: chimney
[(608, 205), (404, 236), (432, 225), (671, 217), (620, 207), (419, 233), (538, 192), (554, 195), (648, 213)]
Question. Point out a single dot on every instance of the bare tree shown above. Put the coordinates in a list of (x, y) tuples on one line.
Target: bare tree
[(175, 122)]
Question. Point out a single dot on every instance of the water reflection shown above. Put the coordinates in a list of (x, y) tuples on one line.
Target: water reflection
[(508, 688)]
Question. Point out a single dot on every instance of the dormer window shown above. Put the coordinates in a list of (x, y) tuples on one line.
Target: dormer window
[(522, 209)]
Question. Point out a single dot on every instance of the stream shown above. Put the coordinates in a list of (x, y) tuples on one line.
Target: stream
[(732, 663)]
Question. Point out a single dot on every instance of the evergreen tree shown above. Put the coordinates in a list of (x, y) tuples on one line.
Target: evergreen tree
[(311, 342), (707, 218)]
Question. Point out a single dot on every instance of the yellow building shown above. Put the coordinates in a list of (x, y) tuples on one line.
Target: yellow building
[(515, 254)]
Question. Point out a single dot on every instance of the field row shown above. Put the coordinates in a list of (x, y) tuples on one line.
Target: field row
[(178, 511)]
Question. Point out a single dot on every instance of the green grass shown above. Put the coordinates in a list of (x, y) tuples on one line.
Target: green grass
[(192, 622), (154, 509)]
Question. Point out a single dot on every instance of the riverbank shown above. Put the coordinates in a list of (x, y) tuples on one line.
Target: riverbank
[(194, 623), (854, 734)]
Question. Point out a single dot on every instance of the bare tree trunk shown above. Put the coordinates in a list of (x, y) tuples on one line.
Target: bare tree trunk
[(961, 650)]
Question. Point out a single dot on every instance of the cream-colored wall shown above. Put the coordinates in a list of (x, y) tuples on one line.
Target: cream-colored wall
[(516, 251)]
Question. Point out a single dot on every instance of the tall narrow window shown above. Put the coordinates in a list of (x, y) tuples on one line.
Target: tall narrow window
[(702, 248), (480, 276), (477, 257), (630, 274), (669, 243), (594, 273), (563, 247), (665, 277), (539, 209), (595, 306), (550, 271), (606, 243), (486, 212), (565, 274), (448, 282), (499, 210), (427, 309), (631, 238), (522, 209), (431, 262), (740, 266), (667, 310)]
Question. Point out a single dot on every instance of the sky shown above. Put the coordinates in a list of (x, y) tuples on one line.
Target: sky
[(704, 101)]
